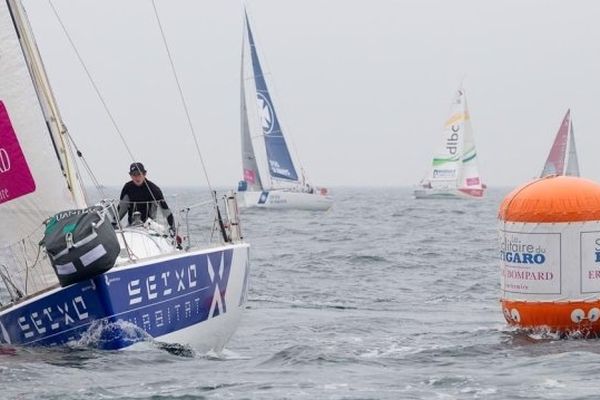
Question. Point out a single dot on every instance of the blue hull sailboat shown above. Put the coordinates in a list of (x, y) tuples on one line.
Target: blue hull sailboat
[(150, 289), (271, 178)]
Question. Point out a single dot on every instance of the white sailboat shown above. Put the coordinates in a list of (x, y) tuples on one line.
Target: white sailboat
[(562, 159), (153, 290), (454, 172), (270, 173)]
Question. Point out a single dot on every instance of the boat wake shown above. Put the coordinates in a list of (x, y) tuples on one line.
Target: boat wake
[(102, 333)]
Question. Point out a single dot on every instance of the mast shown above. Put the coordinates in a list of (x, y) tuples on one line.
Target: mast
[(56, 127)]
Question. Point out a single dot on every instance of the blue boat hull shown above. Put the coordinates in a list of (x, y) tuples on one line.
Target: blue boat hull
[(156, 298)]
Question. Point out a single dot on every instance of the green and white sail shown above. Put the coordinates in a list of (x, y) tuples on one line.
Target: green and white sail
[(454, 168)]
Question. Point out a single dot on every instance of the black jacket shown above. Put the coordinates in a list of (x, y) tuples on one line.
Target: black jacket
[(145, 199)]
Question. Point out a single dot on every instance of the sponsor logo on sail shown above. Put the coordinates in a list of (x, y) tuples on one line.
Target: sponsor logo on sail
[(452, 140), (15, 178), (278, 169), (266, 112), (444, 173), (249, 176), (472, 181)]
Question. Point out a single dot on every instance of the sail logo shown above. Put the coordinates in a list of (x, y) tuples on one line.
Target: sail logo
[(266, 112), (15, 177), (473, 181), (444, 173), (249, 176), (452, 140)]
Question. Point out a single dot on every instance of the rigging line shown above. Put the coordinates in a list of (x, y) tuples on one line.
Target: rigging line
[(86, 166), (89, 75), (97, 90), (183, 102)]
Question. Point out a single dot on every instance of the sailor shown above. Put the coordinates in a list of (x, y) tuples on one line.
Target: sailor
[(141, 197)]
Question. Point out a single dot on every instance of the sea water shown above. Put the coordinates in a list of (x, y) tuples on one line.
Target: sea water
[(382, 297)]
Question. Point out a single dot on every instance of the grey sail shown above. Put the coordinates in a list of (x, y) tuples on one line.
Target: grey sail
[(249, 165), (572, 163)]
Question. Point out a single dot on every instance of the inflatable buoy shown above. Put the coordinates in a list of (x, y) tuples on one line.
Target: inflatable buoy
[(549, 242)]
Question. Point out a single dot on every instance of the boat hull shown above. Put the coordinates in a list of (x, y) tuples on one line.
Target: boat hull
[(283, 199), (448, 193), (193, 298)]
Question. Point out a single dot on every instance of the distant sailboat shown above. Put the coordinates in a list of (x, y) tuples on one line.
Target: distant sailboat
[(270, 175), (562, 159), (454, 172)]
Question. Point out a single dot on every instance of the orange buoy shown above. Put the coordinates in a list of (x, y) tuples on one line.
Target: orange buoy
[(549, 239)]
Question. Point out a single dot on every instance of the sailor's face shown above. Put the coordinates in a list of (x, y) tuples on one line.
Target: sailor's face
[(137, 178)]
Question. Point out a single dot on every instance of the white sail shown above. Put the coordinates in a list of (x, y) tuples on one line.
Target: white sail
[(469, 177), (251, 173), (572, 161), (446, 165), (454, 170), (37, 173)]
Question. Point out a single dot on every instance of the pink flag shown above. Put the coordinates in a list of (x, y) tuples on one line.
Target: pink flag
[(15, 177)]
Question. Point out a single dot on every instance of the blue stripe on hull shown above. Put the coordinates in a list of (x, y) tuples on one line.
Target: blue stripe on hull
[(158, 298)]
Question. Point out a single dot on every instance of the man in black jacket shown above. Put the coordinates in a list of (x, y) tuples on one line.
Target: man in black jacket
[(143, 196)]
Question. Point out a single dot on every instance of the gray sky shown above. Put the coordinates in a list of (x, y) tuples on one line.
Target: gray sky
[(363, 87)]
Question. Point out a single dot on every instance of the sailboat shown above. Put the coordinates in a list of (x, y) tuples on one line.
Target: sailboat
[(454, 172), (270, 173), (562, 159), (152, 291)]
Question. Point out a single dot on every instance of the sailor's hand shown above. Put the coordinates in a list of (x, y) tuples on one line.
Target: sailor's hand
[(175, 237)]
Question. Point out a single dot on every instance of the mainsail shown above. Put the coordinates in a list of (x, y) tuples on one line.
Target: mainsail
[(280, 163), (37, 173), (562, 159)]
